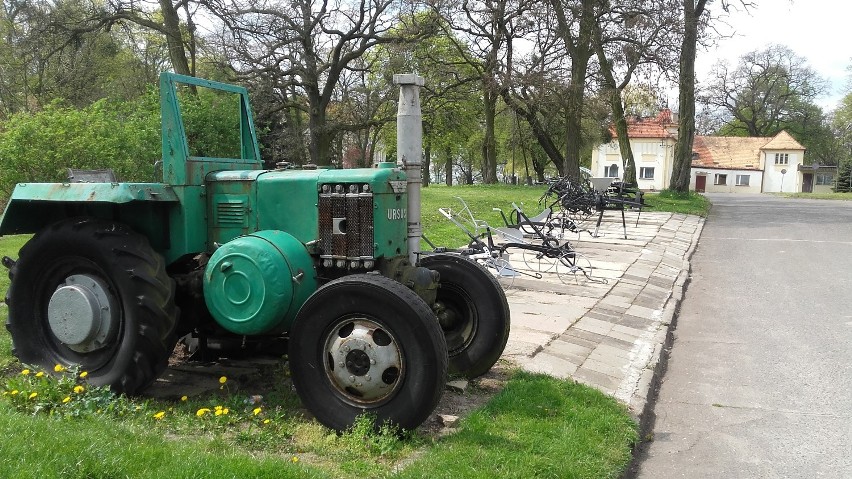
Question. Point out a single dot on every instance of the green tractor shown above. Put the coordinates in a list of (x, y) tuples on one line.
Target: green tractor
[(223, 251)]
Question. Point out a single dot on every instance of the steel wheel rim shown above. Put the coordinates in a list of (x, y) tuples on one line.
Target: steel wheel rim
[(363, 362)]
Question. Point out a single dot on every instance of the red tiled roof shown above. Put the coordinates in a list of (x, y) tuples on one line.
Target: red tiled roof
[(656, 127), (738, 153)]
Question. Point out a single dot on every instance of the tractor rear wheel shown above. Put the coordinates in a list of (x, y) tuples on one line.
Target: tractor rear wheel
[(93, 294), (367, 344), (473, 313)]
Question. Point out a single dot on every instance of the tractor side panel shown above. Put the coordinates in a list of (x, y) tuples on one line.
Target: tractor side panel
[(145, 207)]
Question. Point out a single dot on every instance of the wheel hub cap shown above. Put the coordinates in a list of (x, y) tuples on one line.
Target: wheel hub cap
[(80, 313), (363, 361)]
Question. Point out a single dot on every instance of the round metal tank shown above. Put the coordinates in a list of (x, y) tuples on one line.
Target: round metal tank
[(256, 284)]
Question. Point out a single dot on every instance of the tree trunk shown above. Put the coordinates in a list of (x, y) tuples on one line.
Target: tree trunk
[(489, 147), (427, 161), (448, 167), (623, 139), (580, 51), (613, 94), (682, 168), (319, 147), (174, 38)]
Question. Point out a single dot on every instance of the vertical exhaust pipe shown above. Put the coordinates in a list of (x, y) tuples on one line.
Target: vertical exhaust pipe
[(409, 151)]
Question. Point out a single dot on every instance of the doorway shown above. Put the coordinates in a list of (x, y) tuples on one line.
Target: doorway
[(700, 183), (807, 182)]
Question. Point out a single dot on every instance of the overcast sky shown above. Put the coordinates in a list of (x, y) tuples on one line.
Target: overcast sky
[(818, 30)]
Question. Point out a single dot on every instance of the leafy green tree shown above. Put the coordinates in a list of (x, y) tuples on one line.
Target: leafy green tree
[(769, 90), (844, 177)]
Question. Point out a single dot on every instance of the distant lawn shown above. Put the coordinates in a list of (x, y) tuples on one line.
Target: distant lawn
[(482, 199), (690, 203), (817, 196)]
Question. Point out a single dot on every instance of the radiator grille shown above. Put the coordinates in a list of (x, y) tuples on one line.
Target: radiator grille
[(345, 222)]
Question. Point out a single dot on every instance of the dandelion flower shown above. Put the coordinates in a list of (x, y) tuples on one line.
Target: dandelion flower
[(159, 415), (84, 374), (223, 380), (79, 389), (25, 372), (225, 411), (257, 411), (217, 412), (14, 392), (58, 368), (40, 374), (266, 421), (66, 400), (202, 411), (33, 395), (218, 408), (295, 459), (184, 398)]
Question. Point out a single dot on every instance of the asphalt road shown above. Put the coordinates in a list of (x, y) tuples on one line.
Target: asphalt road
[(759, 379)]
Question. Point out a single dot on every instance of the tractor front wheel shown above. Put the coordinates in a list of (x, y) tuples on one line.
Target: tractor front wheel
[(473, 313), (93, 294), (367, 344)]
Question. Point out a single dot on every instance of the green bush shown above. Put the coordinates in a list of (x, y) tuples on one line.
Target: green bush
[(39, 147), (121, 135)]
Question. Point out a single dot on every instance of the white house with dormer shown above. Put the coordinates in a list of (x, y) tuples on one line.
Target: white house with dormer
[(719, 163)]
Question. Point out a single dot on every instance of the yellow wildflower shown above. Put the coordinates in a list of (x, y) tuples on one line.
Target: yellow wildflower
[(25, 372), (183, 398), (66, 400), (33, 395), (14, 392), (218, 412), (58, 368), (40, 374), (257, 411), (202, 411), (159, 415), (223, 380), (295, 459), (84, 374), (266, 421), (225, 411), (78, 389), (218, 408)]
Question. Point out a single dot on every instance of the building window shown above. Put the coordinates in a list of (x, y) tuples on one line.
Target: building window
[(782, 158), (720, 180), (646, 173), (611, 171), (825, 179), (742, 180)]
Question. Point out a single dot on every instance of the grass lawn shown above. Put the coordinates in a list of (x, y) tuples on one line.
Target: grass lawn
[(817, 196), (535, 426)]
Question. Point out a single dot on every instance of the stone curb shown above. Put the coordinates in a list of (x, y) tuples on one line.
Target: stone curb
[(642, 403)]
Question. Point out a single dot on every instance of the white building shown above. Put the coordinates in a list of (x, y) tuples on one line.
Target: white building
[(719, 164)]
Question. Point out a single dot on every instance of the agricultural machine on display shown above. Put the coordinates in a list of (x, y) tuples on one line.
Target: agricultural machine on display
[(226, 252)]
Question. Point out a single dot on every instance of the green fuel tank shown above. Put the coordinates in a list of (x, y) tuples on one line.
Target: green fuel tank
[(256, 283)]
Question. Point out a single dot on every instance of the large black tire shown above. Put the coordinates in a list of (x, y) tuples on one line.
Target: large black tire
[(126, 345), (367, 344), (473, 313)]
